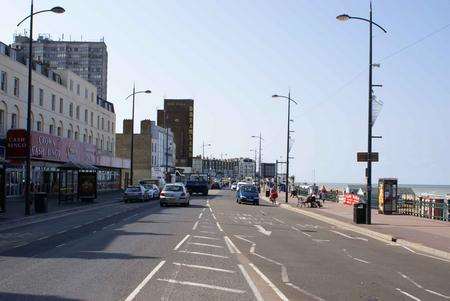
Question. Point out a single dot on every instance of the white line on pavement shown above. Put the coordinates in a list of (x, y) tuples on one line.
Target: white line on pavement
[(60, 245), (284, 274), (408, 294), (200, 215), (268, 259), (43, 237), (421, 287), (244, 239), (360, 260), (410, 280), (252, 248), (438, 294), (203, 267), (250, 282), (195, 225), (205, 245), (205, 237), (231, 246), (202, 253), (61, 232), (262, 230), (181, 242), (144, 282), (305, 292), (210, 209), (203, 209), (275, 289), (342, 234), (208, 232), (218, 226), (214, 217), (226, 289), (278, 220)]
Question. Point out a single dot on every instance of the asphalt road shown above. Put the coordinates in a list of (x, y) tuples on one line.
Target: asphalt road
[(215, 249)]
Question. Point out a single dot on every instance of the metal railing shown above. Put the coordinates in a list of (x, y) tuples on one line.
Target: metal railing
[(427, 208)]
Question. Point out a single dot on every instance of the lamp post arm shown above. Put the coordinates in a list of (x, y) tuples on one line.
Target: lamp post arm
[(368, 21), (135, 94), (38, 12)]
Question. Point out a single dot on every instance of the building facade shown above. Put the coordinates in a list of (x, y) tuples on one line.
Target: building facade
[(150, 151), (234, 168), (65, 110), (178, 115), (246, 168), (89, 60)]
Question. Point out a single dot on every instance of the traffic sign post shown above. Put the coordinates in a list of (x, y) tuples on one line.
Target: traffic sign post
[(364, 157)]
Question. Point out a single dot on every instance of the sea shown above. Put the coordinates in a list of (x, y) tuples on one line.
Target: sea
[(419, 189)]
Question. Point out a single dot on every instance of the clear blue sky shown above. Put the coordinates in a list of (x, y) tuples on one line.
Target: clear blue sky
[(231, 56)]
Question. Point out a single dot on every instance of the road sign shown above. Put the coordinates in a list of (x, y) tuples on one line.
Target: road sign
[(363, 157)]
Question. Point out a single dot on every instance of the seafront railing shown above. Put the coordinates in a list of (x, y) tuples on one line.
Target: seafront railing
[(426, 208)]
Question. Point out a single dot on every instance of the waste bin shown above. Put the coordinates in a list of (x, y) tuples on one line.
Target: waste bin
[(40, 202), (359, 213), (267, 193)]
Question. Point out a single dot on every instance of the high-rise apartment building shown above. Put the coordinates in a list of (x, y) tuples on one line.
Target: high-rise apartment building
[(178, 115), (89, 60)]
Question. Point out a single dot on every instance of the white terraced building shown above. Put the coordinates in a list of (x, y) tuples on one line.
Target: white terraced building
[(63, 105)]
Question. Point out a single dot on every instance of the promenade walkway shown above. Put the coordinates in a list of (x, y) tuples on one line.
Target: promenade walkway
[(431, 233)]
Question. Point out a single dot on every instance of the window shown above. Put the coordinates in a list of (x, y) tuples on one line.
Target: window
[(92, 118), (109, 125), (69, 133), (39, 126), (71, 109), (84, 138), (41, 97), (2, 121), (98, 122), (77, 112), (3, 82), (13, 120), (16, 86), (59, 131), (112, 127), (53, 102), (61, 105), (71, 85), (85, 93), (92, 96), (77, 136), (51, 129), (103, 123), (86, 116), (78, 89), (32, 93)]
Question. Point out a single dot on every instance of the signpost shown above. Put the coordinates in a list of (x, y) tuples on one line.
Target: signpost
[(364, 157)]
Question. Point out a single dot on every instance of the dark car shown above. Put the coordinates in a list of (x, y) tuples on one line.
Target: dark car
[(247, 194), (197, 183)]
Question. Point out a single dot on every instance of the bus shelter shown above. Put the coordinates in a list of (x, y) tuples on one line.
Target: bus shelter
[(77, 181)]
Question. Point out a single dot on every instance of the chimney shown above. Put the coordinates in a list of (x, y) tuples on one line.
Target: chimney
[(160, 118), (127, 126), (146, 126)]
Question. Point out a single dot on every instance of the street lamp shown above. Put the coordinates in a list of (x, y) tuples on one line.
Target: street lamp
[(345, 17), (203, 148), (289, 99), (259, 156), (254, 150), (57, 10), (132, 128)]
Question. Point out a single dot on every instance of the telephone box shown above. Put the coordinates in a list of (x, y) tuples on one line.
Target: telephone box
[(387, 195)]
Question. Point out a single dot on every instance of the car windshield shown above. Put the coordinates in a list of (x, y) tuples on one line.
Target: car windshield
[(248, 188), (173, 188)]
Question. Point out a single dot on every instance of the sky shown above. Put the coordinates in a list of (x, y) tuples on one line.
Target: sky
[(230, 56)]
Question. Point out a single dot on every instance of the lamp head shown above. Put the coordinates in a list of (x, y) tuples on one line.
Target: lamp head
[(275, 95), (343, 17), (58, 10), (148, 91)]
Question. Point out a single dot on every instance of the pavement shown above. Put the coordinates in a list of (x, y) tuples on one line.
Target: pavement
[(431, 233), (215, 249)]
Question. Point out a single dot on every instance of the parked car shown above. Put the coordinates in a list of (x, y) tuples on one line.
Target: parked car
[(247, 194), (174, 194), (151, 191), (233, 186), (134, 193)]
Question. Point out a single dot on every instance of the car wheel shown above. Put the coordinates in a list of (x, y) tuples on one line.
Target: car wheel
[(161, 204)]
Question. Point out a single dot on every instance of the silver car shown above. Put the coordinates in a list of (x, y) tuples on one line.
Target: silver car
[(175, 194), (134, 193)]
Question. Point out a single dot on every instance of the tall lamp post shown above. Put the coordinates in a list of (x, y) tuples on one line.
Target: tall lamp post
[(132, 128), (345, 17), (289, 99), (255, 151), (259, 154), (56, 10)]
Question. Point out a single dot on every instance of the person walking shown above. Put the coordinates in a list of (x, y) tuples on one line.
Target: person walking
[(273, 195)]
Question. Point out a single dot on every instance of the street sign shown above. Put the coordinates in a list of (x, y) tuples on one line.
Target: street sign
[(363, 157)]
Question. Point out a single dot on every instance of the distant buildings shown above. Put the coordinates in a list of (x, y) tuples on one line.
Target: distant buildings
[(151, 150), (89, 60), (178, 115), (235, 168)]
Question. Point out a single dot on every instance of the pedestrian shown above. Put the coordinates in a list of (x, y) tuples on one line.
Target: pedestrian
[(273, 195)]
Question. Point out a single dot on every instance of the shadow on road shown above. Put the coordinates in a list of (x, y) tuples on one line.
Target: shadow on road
[(29, 297)]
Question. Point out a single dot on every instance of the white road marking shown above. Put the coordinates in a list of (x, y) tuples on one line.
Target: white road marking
[(421, 287), (144, 282), (278, 220), (203, 209), (195, 225), (61, 232), (206, 237), (206, 254), (200, 215), (250, 282), (262, 230), (268, 259), (305, 292), (208, 232), (275, 289), (60, 245), (214, 217), (360, 260), (342, 234), (181, 242), (410, 280), (76, 227), (221, 288), (252, 248), (205, 245), (231, 246), (408, 294), (218, 226), (43, 237), (438, 294), (422, 254), (210, 209), (203, 267), (244, 239), (284, 274), (321, 240)]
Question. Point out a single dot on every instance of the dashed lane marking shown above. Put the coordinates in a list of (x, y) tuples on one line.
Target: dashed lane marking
[(205, 237), (144, 282), (203, 267), (202, 253), (58, 246), (218, 226), (268, 259), (305, 292), (278, 220), (200, 215), (408, 294), (205, 245), (275, 289), (231, 246), (221, 288), (181, 242), (214, 217), (250, 283), (43, 237), (195, 225)]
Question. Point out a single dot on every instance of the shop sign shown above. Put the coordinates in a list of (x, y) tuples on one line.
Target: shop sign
[(16, 145)]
